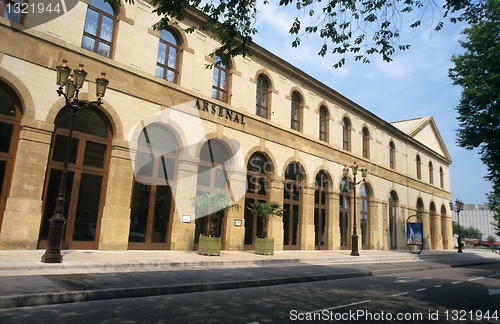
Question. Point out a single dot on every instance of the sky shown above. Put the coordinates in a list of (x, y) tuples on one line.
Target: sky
[(414, 84)]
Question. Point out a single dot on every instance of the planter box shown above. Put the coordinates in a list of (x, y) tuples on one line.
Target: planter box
[(209, 245), (264, 246)]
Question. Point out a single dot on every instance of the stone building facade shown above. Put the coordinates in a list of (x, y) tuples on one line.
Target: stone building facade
[(169, 128)]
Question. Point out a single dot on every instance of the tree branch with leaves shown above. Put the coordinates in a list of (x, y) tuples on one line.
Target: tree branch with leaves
[(361, 28)]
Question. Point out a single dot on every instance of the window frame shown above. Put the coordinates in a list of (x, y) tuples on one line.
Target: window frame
[(346, 134), (392, 155), (97, 39), (323, 124), (262, 93), (296, 111), (221, 91), (419, 167), (366, 143), (164, 65), (3, 8)]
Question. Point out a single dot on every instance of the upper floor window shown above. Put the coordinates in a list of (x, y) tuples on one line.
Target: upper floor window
[(431, 173), (441, 177), (366, 143), (419, 168), (13, 10), (323, 124), (346, 134), (167, 58), (261, 102), (98, 29), (392, 155), (220, 81), (295, 116)]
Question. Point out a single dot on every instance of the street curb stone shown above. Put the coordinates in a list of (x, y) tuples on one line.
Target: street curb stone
[(38, 299)]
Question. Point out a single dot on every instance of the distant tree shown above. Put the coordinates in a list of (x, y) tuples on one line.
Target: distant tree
[(359, 27), (494, 205), (491, 239), (477, 71), (470, 233)]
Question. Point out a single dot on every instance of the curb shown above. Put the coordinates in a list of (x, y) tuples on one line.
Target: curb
[(135, 292), (221, 263)]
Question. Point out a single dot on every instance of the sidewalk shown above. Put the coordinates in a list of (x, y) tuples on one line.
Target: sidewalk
[(97, 275)]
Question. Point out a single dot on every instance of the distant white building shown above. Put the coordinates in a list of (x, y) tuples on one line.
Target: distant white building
[(477, 216)]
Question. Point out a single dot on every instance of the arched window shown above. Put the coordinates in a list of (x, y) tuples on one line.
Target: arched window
[(86, 178), (392, 155), (323, 124), (258, 176), (419, 168), (98, 28), (152, 206), (393, 232), (12, 10), (431, 173), (346, 134), (220, 81), (435, 227), (213, 175), (261, 98), (168, 56), (296, 112), (366, 143), (292, 203), (321, 210), (10, 117), (441, 177)]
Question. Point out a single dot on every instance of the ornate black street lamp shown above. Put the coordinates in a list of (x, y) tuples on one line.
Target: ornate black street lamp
[(459, 206), (72, 85), (355, 238)]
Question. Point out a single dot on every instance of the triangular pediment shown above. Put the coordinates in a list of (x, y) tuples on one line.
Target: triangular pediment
[(425, 131)]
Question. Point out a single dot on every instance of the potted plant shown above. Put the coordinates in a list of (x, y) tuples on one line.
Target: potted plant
[(264, 210), (212, 205)]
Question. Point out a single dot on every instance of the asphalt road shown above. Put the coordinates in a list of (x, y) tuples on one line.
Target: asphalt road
[(456, 295)]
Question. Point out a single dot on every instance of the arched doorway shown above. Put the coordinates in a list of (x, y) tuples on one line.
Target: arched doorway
[(444, 227), (292, 204), (393, 232), (421, 214), (344, 213), (213, 175), (152, 205), (434, 227), (321, 210), (10, 117), (86, 179), (258, 175), (364, 215)]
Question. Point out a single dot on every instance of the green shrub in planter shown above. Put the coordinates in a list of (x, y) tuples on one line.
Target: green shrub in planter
[(263, 210), (212, 204)]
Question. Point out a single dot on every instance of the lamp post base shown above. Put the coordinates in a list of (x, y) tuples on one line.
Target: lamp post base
[(354, 250), (53, 252)]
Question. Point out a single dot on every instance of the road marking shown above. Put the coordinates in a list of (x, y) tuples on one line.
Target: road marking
[(494, 275), (437, 286), (456, 282), (337, 307), (409, 279), (494, 292), (478, 278), (400, 294), (421, 289)]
